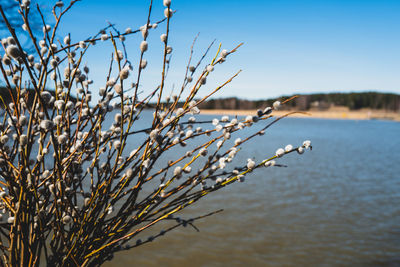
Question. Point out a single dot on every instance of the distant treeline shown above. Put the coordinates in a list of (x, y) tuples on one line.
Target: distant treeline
[(353, 101)]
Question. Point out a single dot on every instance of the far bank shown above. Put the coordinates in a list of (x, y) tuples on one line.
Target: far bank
[(331, 113)]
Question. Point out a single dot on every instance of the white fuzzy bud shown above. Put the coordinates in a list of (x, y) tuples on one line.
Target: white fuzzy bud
[(110, 210), (168, 13), (123, 75), (219, 180), (82, 44), (129, 173), (163, 37), (143, 64), (45, 96), (119, 55), (267, 110), (66, 219), (219, 144), (154, 134), (280, 152), (111, 82), (102, 91), (46, 125), (62, 139), (53, 63), (238, 141), (10, 40), (179, 111), (117, 144), (218, 127), (288, 148), (4, 139), (13, 51), (227, 135), (307, 144), (269, 163), (233, 152), (225, 118), (224, 53), (166, 122), (10, 220), (46, 28), (146, 163), (23, 139), (43, 50), (143, 46), (250, 164), (118, 117), (276, 104), (177, 171), (23, 120), (67, 40), (26, 3), (59, 104), (189, 133), (104, 37), (144, 30)]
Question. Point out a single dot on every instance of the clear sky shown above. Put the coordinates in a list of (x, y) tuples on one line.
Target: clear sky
[(289, 46)]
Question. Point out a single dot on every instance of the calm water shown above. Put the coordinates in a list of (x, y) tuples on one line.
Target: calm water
[(338, 205)]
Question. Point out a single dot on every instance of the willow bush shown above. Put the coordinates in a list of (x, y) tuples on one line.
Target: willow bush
[(71, 188)]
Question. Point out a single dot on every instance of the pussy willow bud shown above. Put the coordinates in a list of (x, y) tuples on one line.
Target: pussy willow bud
[(168, 13), (143, 46), (67, 40)]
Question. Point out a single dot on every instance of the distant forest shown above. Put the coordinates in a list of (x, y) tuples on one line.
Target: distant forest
[(353, 101)]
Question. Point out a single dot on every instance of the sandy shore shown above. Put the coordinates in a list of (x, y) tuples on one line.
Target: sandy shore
[(333, 113)]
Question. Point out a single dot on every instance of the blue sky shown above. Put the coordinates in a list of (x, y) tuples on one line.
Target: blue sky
[(289, 46)]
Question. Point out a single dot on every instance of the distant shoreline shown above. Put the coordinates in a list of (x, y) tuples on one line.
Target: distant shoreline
[(333, 113)]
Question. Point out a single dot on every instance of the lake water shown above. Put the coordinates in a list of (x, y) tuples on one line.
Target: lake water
[(337, 205)]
